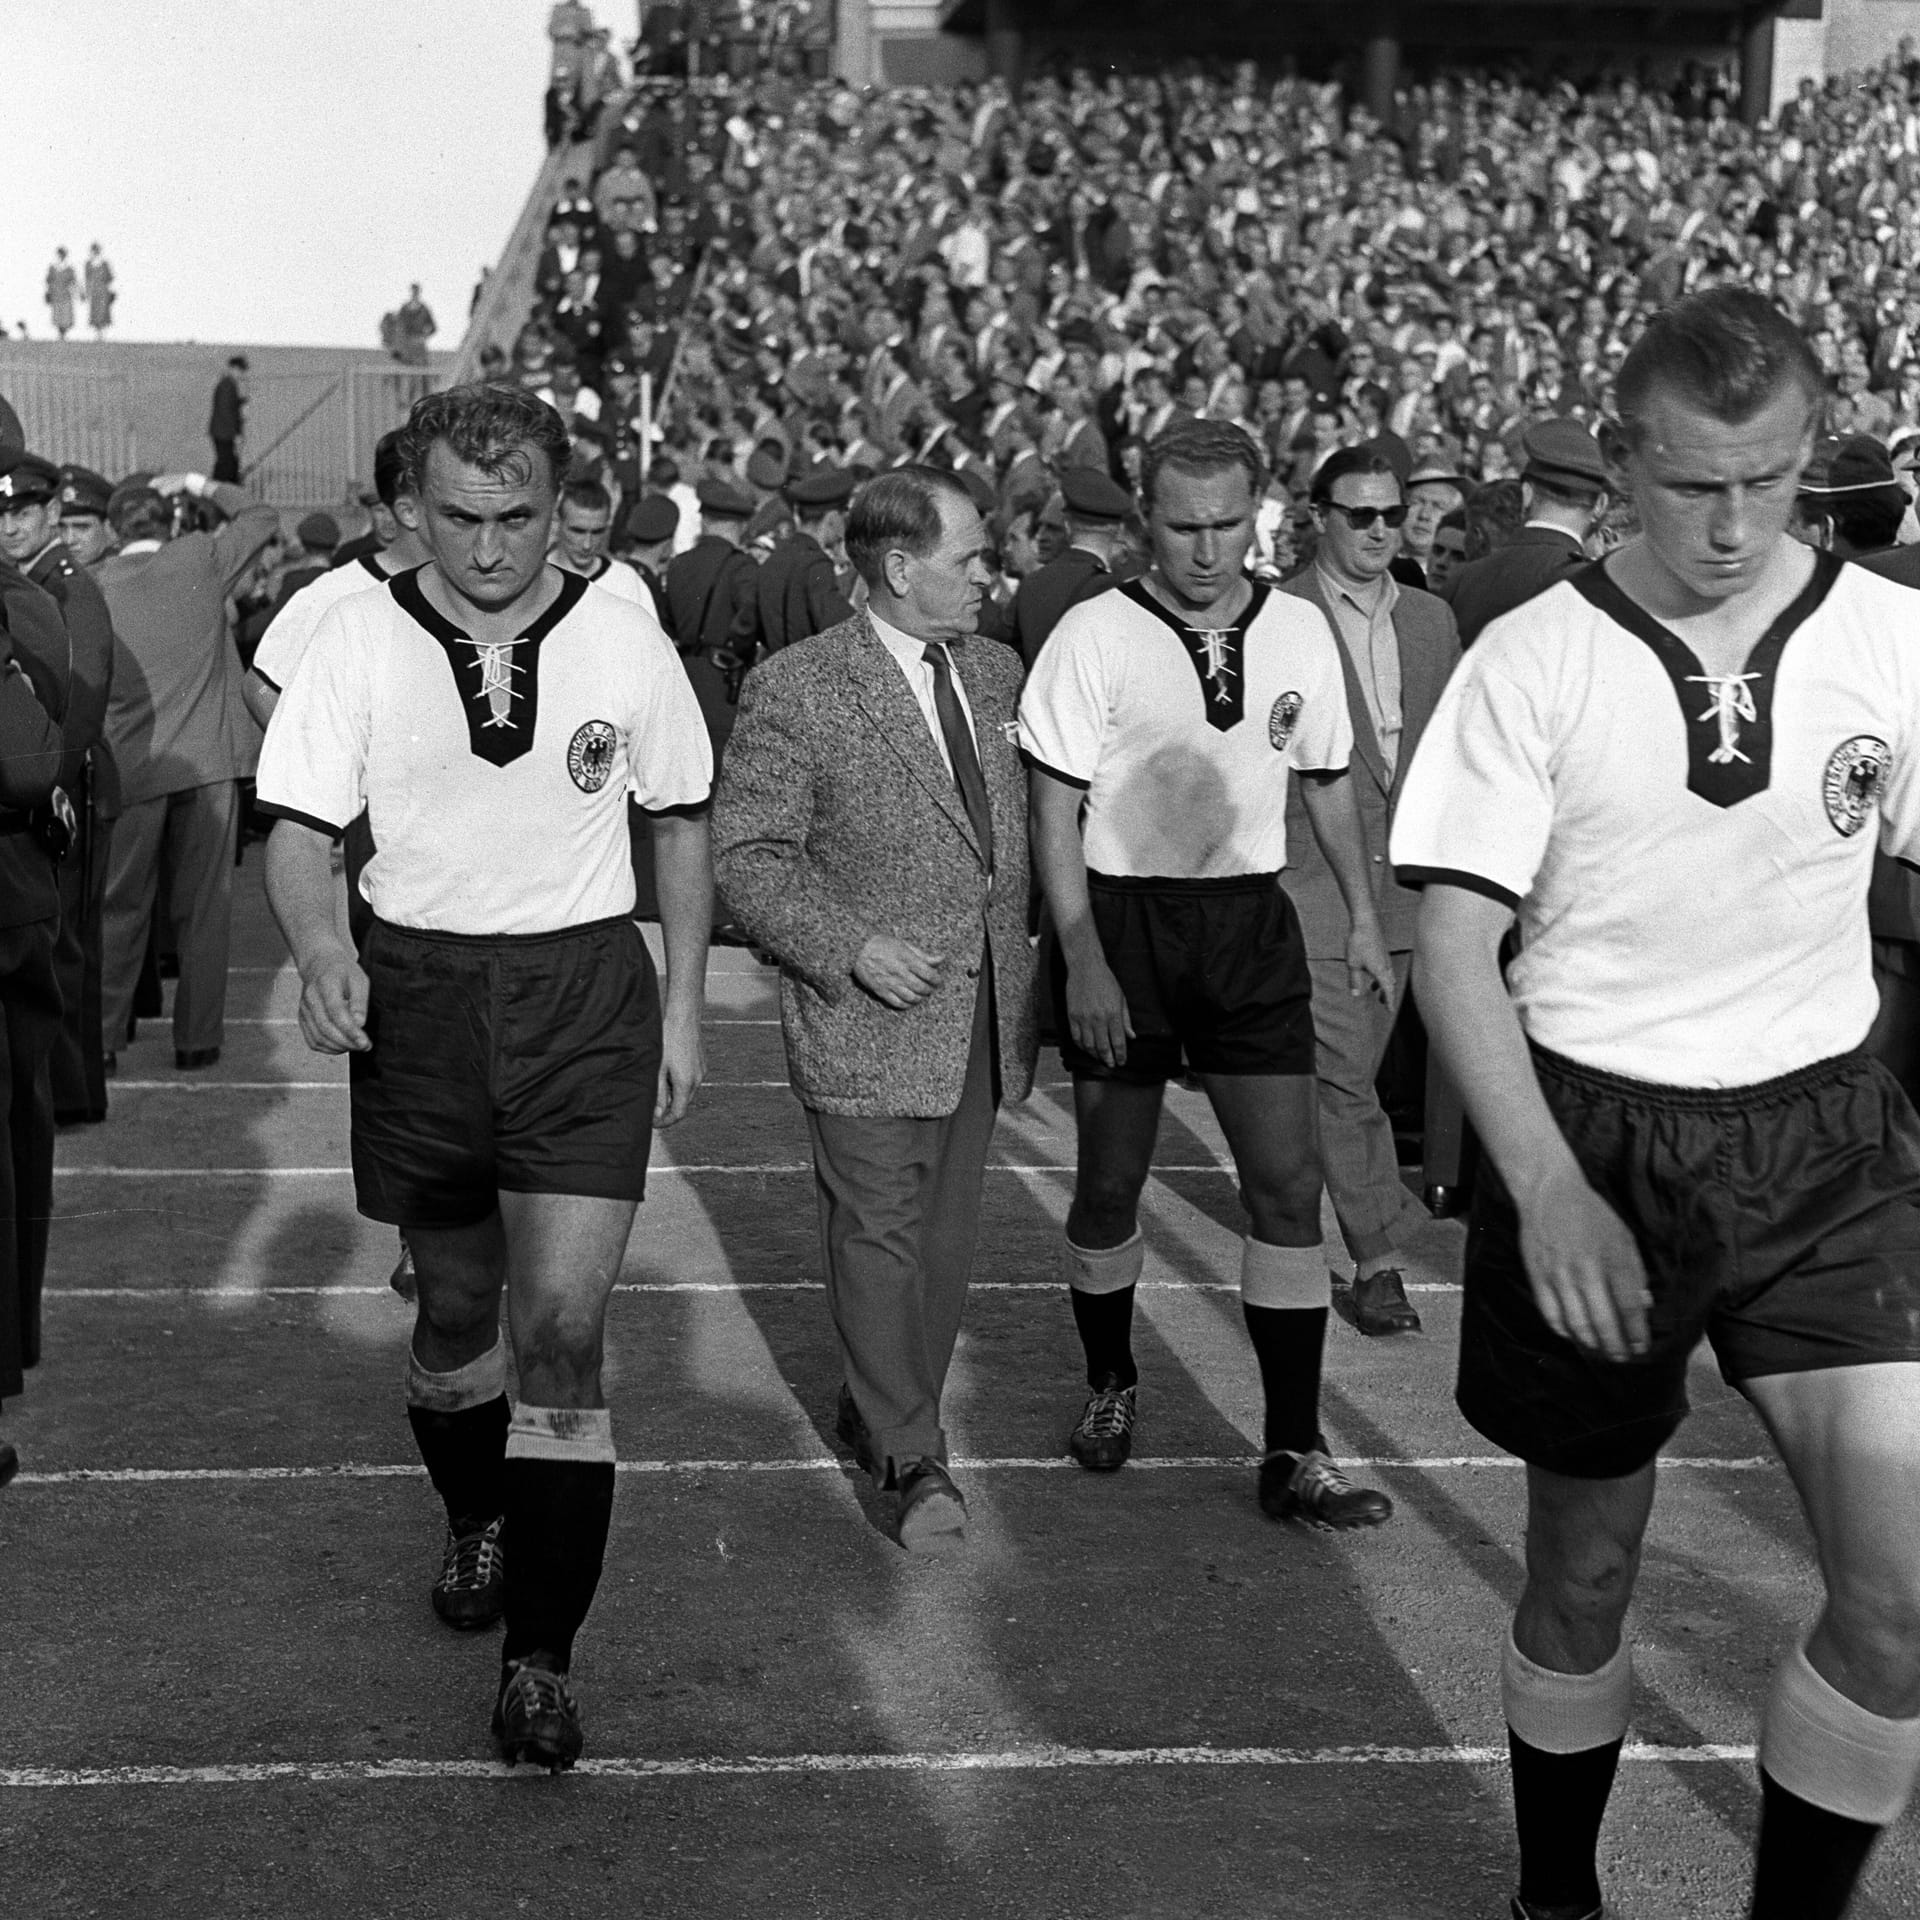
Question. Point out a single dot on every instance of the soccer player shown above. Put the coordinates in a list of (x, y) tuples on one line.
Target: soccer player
[(509, 1052), (580, 532), (1673, 768), (1170, 712)]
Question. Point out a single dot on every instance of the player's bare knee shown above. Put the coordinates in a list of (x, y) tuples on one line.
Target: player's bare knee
[(1283, 1206), (1876, 1631), (558, 1351), (456, 1313), (1105, 1211)]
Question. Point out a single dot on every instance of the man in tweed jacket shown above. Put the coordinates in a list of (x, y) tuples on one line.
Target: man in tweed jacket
[(870, 831)]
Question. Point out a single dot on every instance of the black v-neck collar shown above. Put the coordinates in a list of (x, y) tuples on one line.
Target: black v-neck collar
[(500, 718), (1223, 681), (1729, 718), (373, 567)]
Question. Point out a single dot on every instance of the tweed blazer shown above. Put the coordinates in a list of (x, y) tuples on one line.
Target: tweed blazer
[(834, 819), (1429, 650)]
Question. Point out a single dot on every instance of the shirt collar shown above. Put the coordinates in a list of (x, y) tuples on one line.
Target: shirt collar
[(1386, 593), (903, 646), (134, 547)]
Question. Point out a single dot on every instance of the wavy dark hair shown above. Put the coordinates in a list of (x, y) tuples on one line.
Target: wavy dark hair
[(488, 424)]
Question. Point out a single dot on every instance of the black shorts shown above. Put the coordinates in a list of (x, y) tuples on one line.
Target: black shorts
[(1214, 973), (1781, 1220), (523, 1064)]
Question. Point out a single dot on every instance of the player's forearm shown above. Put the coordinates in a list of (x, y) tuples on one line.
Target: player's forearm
[(260, 697), (1335, 819), (683, 881), (1472, 1023), (1060, 860), (302, 892)]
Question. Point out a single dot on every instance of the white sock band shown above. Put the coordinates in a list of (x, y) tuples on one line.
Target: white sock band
[(1566, 1712), (1295, 1277), (1103, 1269), (1832, 1753), (473, 1385), (561, 1433)]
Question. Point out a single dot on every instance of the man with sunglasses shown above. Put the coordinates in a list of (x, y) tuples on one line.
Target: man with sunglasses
[(1397, 647)]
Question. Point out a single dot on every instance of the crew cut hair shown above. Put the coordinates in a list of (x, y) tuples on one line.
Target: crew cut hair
[(1345, 461), (1200, 446), (589, 494), (897, 509), (488, 424), (1726, 351)]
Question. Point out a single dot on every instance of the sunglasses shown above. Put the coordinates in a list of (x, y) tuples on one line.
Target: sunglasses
[(1361, 519)]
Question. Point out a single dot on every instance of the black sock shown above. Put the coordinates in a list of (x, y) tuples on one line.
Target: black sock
[(558, 1512), (1808, 1858), (1559, 1800), (465, 1453), (1287, 1343), (1105, 1321)]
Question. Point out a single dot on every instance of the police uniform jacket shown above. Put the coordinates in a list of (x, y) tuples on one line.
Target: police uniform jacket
[(835, 818), (1046, 593), (799, 593), (1429, 648), (1535, 559), (30, 747), (714, 598), (83, 611)]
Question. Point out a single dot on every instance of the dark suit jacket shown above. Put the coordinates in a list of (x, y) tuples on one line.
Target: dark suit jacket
[(835, 818), (1046, 593), (1535, 559), (1429, 647)]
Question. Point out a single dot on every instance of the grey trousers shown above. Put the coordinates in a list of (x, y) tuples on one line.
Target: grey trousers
[(193, 832), (899, 1214), (1361, 1169)]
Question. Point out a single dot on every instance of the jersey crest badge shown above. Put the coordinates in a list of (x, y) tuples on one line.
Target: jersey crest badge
[(590, 755), (1282, 719), (1856, 777)]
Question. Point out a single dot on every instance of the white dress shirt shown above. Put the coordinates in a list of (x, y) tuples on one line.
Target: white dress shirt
[(1365, 627), (912, 656)]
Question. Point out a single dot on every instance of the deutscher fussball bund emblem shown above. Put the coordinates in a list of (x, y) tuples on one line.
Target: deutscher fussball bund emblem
[(1856, 777), (1282, 719), (590, 755)]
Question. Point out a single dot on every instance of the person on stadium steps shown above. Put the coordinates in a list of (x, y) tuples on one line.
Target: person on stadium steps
[(1169, 712), (870, 832), (580, 531), (227, 419), (30, 505), (1397, 647), (509, 1053), (1674, 770)]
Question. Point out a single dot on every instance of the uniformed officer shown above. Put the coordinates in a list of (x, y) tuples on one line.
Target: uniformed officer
[(647, 547), (769, 522), (1563, 490), (30, 521), (84, 525), (1095, 507), (713, 596), (799, 588)]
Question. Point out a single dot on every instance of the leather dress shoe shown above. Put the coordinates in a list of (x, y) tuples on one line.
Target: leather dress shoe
[(192, 1059), (851, 1431), (933, 1516), (1380, 1303)]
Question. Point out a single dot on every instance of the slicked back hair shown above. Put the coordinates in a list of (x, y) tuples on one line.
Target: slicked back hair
[(1346, 461), (589, 495), (898, 509), (488, 424), (1200, 446), (1727, 352)]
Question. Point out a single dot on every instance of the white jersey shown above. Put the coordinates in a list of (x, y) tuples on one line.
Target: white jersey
[(284, 644), (1688, 855), (495, 778), (1183, 738), (620, 580)]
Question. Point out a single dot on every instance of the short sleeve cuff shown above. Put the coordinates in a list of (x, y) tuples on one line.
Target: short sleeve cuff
[(300, 819), (1037, 765), (1418, 877), (680, 810)]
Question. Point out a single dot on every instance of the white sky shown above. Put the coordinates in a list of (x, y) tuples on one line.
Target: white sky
[(268, 170)]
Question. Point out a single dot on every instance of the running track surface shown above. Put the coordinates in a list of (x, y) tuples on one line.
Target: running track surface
[(226, 1693)]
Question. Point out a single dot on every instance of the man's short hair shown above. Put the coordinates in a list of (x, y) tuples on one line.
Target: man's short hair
[(898, 509), (1348, 461), (1726, 351), (1868, 522), (485, 424), (138, 513), (1200, 446), (588, 495)]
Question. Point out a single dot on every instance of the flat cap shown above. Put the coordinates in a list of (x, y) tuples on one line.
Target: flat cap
[(766, 468), (84, 491), (824, 486), (1090, 495), (1436, 473), (28, 481), (1561, 449), (725, 498), (319, 532), (655, 518), (1855, 464), (979, 484)]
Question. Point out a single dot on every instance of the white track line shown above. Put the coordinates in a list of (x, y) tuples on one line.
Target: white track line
[(292, 1020), (1012, 1760), (658, 1168), (227, 1295), (829, 1463)]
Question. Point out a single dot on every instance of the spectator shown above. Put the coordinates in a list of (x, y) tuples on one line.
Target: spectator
[(97, 276), (227, 423), (62, 284)]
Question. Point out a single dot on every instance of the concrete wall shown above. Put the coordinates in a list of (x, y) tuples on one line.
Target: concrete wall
[(1861, 33)]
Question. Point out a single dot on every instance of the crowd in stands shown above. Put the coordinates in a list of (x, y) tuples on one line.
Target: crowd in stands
[(1015, 288)]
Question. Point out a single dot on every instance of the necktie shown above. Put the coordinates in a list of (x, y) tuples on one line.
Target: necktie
[(960, 750)]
